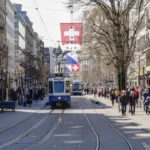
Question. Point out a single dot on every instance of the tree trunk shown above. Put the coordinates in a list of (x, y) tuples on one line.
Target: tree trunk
[(122, 80)]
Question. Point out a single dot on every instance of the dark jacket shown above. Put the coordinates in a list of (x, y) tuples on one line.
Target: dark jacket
[(14, 96), (113, 96), (124, 99), (132, 99)]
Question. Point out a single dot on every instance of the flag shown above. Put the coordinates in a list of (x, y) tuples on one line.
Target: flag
[(75, 67), (71, 33), (72, 58), (68, 69), (72, 68)]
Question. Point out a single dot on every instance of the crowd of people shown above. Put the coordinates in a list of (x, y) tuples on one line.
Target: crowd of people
[(131, 97), (27, 95)]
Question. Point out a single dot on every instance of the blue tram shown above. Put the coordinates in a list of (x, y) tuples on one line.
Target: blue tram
[(59, 90), (77, 87)]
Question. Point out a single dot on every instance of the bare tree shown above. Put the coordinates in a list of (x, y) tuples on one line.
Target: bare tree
[(115, 31)]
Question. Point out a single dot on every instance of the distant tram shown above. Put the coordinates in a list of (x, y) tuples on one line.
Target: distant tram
[(59, 90), (77, 87)]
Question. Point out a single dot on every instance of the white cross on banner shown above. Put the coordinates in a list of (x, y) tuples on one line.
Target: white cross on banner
[(75, 67), (71, 33)]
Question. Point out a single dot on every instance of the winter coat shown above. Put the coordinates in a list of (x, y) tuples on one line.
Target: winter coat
[(132, 99), (124, 99)]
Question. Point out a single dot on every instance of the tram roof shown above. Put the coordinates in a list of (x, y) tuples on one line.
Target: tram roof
[(77, 81), (59, 75)]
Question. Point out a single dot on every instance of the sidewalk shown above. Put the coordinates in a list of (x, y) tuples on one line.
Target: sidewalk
[(9, 118), (140, 119)]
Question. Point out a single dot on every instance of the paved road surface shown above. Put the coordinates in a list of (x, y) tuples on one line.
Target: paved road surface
[(84, 126)]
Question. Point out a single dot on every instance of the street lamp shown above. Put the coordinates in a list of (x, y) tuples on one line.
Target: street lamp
[(143, 69)]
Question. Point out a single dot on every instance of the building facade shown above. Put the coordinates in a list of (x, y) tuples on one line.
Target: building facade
[(10, 10), (3, 48), (52, 60), (33, 49), (19, 48), (139, 70), (47, 55)]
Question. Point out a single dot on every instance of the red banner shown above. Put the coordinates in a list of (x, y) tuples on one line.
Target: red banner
[(75, 67), (71, 33)]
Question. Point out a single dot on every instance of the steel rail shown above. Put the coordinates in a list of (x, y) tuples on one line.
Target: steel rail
[(26, 132), (98, 141), (45, 137), (21, 120), (106, 120)]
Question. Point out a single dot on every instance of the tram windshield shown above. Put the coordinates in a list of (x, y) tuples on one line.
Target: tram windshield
[(77, 87), (59, 86)]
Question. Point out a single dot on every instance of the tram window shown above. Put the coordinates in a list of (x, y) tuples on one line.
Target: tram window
[(59, 86), (50, 87), (77, 86), (67, 83), (67, 87)]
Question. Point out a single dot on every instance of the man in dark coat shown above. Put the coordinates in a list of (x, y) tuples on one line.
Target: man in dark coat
[(132, 101), (124, 101), (14, 95)]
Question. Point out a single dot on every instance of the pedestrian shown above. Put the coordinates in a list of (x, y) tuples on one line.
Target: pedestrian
[(132, 102), (136, 93), (37, 94), (29, 99), (147, 105), (14, 95), (112, 95), (116, 95), (145, 95), (87, 90), (95, 92), (124, 101)]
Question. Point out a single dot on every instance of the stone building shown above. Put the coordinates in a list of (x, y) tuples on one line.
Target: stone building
[(10, 10), (139, 70)]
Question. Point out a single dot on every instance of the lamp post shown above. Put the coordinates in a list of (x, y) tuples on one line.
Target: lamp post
[(70, 7), (2, 94), (143, 76)]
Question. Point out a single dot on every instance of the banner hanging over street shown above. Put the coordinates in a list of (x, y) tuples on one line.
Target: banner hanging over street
[(72, 68), (71, 33), (72, 58)]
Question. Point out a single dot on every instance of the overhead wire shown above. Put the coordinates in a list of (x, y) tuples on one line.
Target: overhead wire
[(45, 9), (44, 23)]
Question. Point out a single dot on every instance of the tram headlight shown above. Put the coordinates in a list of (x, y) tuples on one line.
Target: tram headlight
[(59, 97)]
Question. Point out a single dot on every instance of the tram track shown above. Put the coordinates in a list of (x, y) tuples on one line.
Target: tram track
[(98, 141), (47, 135), (14, 125), (26, 132), (110, 124)]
